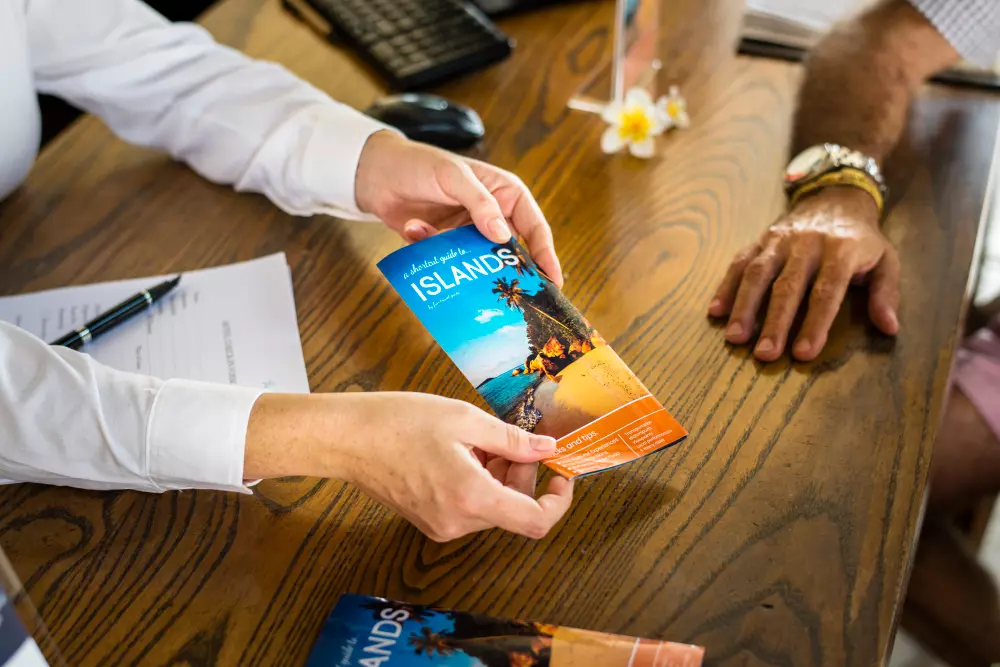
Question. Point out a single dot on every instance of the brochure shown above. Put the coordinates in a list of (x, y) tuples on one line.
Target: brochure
[(528, 351), (364, 631)]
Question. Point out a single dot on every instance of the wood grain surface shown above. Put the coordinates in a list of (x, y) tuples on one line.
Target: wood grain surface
[(779, 533)]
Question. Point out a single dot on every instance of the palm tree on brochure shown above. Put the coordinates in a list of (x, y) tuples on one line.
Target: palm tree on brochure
[(431, 642), (493, 650), (549, 339), (516, 299)]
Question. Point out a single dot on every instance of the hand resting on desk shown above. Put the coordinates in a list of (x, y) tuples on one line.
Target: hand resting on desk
[(833, 237), (830, 237)]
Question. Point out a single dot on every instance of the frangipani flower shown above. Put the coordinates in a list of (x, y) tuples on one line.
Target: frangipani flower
[(634, 123), (673, 109)]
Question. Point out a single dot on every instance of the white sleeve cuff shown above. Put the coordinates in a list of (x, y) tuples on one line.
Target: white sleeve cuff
[(309, 164), (971, 26), (196, 434)]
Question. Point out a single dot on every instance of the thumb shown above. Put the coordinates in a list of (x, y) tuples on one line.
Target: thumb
[(512, 443), (883, 293), (460, 183)]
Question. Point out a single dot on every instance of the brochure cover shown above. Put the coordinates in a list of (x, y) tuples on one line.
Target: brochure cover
[(364, 631), (528, 351)]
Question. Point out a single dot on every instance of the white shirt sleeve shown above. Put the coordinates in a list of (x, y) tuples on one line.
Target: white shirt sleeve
[(68, 420), (971, 26), (65, 419), (170, 86)]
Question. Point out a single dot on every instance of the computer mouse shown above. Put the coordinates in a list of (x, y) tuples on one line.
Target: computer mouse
[(430, 119)]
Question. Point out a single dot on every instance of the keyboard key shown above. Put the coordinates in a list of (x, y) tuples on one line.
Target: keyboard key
[(383, 50), (397, 64), (415, 66)]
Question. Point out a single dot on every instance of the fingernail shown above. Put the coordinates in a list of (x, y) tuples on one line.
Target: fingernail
[(764, 346), (734, 330), (558, 265), (498, 227), (541, 443), (801, 347), (714, 306), (417, 232), (893, 320)]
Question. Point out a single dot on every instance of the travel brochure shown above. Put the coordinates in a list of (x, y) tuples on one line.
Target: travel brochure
[(532, 356), (365, 631)]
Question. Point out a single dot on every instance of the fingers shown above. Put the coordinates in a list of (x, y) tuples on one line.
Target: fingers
[(883, 293), (757, 277), (519, 513), (722, 302), (486, 503), (418, 230), (522, 477), (824, 303), (530, 223), (520, 207), (506, 440), (498, 467), (460, 183), (786, 297)]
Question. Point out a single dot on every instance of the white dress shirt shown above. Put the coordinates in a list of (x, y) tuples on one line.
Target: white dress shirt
[(65, 419), (971, 26)]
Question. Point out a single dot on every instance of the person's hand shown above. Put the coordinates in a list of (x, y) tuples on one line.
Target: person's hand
[(832, 237), (445, 465), (418, 190)]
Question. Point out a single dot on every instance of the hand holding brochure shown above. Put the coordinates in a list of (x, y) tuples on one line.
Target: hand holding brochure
[(531, 355), (371, 632)]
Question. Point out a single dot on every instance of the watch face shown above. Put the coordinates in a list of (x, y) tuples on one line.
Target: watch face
[(805, 164)]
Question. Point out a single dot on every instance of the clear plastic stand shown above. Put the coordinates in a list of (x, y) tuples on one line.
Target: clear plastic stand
[(634, 61)]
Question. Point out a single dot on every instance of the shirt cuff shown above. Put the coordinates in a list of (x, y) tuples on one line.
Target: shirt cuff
[(309, 165), (972, 27), (330, 163), (196, 434)]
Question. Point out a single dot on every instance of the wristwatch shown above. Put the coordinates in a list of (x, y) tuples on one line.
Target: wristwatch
[(817, 161)]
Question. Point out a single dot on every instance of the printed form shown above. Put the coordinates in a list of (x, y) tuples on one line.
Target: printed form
[(232, 324)]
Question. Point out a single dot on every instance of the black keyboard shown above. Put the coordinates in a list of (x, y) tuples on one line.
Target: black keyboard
[(412, 43)]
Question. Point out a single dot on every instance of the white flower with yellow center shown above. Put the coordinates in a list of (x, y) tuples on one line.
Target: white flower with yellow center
[(672, 109), (634, 123)]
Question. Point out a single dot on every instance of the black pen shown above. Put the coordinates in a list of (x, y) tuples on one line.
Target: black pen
[(123, 311)]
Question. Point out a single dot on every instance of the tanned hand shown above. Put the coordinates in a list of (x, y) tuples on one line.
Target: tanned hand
[(859, 83)]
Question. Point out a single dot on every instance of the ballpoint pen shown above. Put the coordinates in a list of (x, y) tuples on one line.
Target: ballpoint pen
[(117, 315)]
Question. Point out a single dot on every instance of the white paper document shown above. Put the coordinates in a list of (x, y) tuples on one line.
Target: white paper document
[(232, 324)]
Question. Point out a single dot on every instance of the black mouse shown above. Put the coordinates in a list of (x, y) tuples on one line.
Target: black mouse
[(430, 119)]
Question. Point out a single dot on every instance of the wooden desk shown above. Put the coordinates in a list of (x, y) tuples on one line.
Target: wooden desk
[(780, 533)]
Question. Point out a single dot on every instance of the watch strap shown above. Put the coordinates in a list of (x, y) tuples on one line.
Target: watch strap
[(844, 177), (815, 161)]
